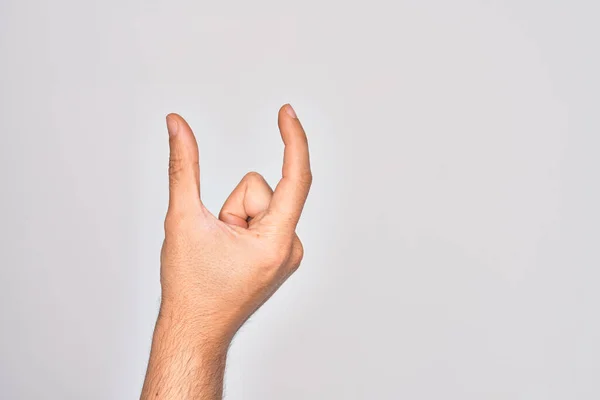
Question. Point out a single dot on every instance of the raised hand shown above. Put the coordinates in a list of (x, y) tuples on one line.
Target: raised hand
[(216, 271)]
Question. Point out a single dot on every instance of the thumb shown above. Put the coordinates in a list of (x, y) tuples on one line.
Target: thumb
[(184, 172)]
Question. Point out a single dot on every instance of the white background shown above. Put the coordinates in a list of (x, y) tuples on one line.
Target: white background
[(451, 234)]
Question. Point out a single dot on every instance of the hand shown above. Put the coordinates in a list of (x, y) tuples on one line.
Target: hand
[(215, 272), (218, 271)]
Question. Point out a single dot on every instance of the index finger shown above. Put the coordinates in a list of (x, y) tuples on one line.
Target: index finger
[(291, 191)]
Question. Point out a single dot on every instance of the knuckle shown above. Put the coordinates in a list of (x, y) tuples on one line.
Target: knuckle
[(174, 221), (306, 177), (297, 254), (300, 251), (277, 255), (178, 165), (175, 166)]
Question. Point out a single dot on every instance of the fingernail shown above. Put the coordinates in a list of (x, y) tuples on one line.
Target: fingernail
[(290, 111), (172, 125)]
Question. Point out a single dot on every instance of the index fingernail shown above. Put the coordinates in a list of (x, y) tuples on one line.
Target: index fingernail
[(290, 111)]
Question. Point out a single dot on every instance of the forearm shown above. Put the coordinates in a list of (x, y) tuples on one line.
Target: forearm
[(184, 362)]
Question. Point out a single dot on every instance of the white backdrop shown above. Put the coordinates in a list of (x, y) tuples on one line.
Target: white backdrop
[(451, 234)]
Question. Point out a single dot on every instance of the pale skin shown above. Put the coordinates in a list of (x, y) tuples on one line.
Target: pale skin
[(217, 271)]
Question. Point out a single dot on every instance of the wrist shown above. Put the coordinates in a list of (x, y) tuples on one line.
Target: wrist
[(198, 329), (187, 358)]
